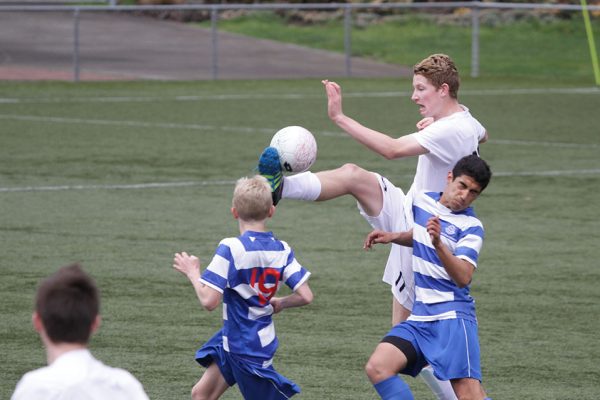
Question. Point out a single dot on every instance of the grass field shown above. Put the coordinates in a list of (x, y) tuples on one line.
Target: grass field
[(511, 43), (119, 176)]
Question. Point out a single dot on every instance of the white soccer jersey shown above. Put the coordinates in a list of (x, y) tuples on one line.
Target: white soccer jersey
[(248, 270), (448, 140), (436, 295), (78, 375)]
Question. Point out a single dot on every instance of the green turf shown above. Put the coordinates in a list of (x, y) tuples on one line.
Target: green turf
[(536, 289), (524, 43)]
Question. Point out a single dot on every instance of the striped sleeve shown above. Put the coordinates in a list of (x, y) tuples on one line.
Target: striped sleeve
[(216, 273), (294, 274), (470, 243)]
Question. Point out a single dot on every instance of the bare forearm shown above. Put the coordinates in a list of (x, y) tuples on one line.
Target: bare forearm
[(378, 142), (206, 295), (293, 300), (301, 297), (459, 270), (383, 237), (189, 266), (403, 238)]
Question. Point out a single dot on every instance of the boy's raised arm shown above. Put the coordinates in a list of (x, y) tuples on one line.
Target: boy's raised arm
[(189, 265)]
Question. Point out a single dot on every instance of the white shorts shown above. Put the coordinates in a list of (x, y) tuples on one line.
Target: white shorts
[(396, 216)]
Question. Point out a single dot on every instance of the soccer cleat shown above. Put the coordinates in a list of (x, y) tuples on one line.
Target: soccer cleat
[(269, 166)]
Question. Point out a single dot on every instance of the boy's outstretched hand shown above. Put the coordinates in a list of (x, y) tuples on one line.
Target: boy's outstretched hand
[(377, 236), (334, 99), (188, 265)]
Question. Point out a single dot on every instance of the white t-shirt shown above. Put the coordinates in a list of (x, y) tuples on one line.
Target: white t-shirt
[(77, 375), (448, 140)]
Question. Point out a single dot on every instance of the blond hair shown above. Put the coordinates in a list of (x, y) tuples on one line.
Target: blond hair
[(439, 69), (252, 198)]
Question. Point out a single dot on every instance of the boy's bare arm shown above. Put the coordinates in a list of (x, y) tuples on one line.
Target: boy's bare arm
[(380, 143), (383, 237), (189, 265), (301, 297), (460, 271)]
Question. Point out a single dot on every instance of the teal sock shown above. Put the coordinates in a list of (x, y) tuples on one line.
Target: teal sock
[(393, 388)]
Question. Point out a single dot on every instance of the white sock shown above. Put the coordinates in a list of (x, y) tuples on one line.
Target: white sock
[(302, 186), (442, 389)]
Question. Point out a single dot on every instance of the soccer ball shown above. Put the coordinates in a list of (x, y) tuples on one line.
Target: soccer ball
[(297, 148)]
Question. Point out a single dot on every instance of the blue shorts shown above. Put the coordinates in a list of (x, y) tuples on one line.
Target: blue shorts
[(255, 381), (450, 346)]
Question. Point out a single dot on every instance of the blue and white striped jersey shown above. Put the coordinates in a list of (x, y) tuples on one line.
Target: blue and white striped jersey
[(437, 297), (248, 270)]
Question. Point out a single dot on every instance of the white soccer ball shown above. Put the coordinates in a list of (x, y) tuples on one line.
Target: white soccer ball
[(297, 148)]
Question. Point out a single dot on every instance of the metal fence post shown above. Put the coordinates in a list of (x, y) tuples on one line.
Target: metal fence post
[(475, 42), (76, 45), (348, 38), (214, 15)]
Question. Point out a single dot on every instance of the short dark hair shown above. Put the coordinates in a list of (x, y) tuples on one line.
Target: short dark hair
[(68, 302), (475, 167)]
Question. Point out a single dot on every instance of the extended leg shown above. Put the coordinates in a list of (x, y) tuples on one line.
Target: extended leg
[(349, 179)]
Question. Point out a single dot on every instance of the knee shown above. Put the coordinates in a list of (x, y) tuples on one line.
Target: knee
[(198, 393), (352, 176), (376, 372), (351, 170), (462, 394)]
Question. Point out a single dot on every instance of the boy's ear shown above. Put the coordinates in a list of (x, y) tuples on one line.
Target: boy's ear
[(36, 320), (96, 324), (445, 89), (450, 177), (234, 213), (271, 211)]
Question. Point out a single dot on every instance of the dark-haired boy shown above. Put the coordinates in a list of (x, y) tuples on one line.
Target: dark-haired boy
[(442, 330), (66, 314)]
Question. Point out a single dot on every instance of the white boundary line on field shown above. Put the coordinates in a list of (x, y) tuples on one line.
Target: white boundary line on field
[(162, 185), (511, 142), (287, 96), (566, 172), (135, 186), (241, 129), (129, 123)]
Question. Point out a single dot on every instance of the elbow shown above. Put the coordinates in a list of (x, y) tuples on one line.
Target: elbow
[(485, 138), (390, 154), (308, 297), (210, 305), (463, 282)]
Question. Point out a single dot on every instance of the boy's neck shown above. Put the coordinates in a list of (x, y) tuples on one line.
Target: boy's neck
[(452, 107), (54, 351), (255, 226)]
